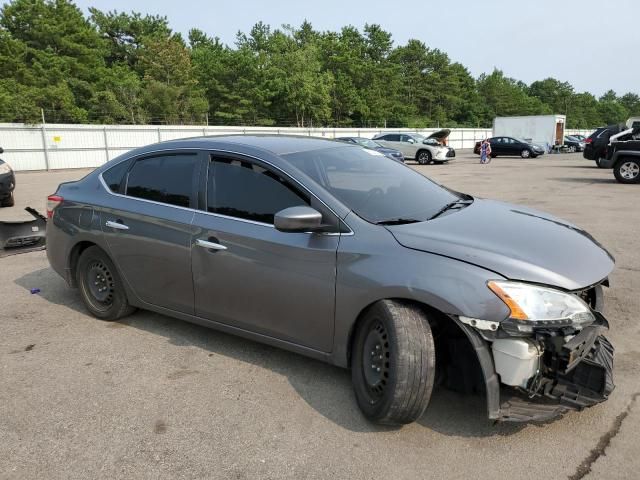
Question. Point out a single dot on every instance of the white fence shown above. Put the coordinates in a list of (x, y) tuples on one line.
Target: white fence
[(52, 147)]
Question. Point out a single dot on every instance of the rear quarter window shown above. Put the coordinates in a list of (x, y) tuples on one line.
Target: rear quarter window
[(113, 177)]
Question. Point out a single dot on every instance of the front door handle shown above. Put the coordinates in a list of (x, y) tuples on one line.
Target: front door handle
[(116, 225), (209, 245)]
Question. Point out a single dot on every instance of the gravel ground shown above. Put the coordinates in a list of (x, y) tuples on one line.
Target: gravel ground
[(153, 397)]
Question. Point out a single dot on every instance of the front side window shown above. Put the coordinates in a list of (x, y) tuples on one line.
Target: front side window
[(167, 179), (242, 189)]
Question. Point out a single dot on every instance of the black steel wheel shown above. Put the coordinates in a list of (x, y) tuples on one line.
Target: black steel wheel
[(393, 363), (100, 285)]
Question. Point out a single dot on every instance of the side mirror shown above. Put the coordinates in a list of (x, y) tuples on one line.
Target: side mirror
[(298, 219), (411, 140), (1, 150)]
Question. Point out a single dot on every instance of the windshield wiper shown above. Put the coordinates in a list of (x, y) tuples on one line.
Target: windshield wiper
[(450, 206), (398, 221)]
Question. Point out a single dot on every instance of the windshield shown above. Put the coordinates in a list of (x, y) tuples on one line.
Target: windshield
[(375, 187), (365, 142)]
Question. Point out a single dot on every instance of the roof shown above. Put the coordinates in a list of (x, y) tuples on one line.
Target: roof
[(276, 144)]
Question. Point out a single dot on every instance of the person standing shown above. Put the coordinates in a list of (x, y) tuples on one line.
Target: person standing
[(485, 151)]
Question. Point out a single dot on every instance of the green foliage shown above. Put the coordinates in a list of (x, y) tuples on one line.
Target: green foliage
[(115, 67)]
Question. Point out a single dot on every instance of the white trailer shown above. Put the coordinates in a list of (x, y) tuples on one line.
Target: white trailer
[(545, 130)]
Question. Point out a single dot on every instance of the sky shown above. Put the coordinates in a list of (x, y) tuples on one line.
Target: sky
[(591, 44)]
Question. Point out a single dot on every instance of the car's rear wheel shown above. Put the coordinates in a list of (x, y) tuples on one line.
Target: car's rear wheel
[(393, 363), (572, 149), (101, 287), (423, 157), (627, 170), (525, 153)]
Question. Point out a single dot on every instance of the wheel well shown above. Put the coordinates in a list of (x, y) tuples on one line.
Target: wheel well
[(457, 364), (76, 251)]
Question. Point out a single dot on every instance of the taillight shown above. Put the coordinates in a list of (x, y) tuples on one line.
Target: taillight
[(588, 140), (52, 202)]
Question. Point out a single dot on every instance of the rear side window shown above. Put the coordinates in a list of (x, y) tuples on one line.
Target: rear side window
[(167, 179), (113, 177), (246, 190)]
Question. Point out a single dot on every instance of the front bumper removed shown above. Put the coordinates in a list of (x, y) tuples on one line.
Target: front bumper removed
[(584, 380), (23, 236), (575, 373)]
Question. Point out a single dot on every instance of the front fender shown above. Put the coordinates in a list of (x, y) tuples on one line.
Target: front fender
[(374, 267)]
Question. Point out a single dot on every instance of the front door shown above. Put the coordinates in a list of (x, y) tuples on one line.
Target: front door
[(148, 228), (248, 274)]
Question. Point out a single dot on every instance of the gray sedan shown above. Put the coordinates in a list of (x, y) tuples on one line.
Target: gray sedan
[(336, 252)]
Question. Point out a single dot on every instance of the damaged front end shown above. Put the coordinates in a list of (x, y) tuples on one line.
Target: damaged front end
[(539, 370), (23, 236)]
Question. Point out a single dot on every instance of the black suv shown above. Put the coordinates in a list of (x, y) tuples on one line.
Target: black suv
[(623, 155), (596, 144)]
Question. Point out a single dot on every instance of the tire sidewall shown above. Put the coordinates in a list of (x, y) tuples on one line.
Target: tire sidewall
[(381, 405)]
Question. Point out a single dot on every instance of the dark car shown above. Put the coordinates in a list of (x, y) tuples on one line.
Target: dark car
[(324, 249), (623, 155), (7, 184), (596, 144), (573, 144), (392, 153), (580, 138), (509, 146)]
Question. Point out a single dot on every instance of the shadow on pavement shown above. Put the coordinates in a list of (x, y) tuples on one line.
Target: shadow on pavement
[(325, 388), (587, 180)]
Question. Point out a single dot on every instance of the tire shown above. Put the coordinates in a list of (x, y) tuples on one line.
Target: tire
[(572, 149), (96, 271), (423, 157), (599, 162), (394, 386), (8, 202), (627, 170), (525, 153), (494, 155)]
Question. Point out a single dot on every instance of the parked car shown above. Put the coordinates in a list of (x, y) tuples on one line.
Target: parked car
[(581, 138), (7, 183), (417, 147), (326, 250), (392, 153), (573, 144), (509, 146), (596, 144), (623, 155)]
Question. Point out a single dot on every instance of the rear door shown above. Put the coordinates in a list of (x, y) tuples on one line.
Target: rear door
[(497, 146), (249, 275), (148, 227)]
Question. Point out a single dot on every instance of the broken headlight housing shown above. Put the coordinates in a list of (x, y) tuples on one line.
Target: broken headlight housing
[(532, 306)]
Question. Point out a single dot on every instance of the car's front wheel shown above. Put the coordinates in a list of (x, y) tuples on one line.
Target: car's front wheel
[(525, 153), (100, 285), (8, 202), (627, 170), (424, 157), (393, 363)]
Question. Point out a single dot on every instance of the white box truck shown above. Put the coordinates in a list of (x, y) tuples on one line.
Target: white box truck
[(544, 130)]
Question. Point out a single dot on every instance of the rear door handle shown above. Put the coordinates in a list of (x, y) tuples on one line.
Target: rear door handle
[(209, 245), (116, 225)]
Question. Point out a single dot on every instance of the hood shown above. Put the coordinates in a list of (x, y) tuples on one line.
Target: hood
[(440, 135), (516, 242)]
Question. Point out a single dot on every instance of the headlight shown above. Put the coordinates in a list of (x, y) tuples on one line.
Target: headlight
[(4, 168), (533, 306)]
